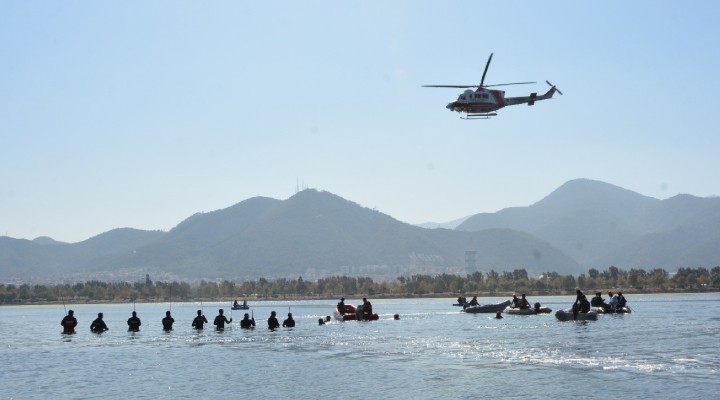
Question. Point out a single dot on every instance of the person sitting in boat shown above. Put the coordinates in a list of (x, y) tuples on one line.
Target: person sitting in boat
[(461, 300), (246, 322), (613, 302), (273, 321), (621, 300), (289, 322), (134, 323), (199, 321), (69, 323), (523, 303), (236, 304), (341, 306), (366, 307), (473, 302), (598, 301), (515, 302), (584, 304), (221, 320), (98, 326), (581, 304)]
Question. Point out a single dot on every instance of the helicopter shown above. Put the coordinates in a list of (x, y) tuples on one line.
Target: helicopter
[(482, 103)]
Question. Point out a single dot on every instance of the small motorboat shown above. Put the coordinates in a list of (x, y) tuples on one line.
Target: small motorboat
[(487, 308), (527, 311), (567, 315), (353, 313), (238, 306)]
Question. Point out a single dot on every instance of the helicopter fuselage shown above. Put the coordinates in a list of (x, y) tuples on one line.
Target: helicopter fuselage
[(483, 101)]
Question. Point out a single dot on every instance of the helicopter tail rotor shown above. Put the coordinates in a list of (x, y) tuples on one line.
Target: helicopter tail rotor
[(554, 87)]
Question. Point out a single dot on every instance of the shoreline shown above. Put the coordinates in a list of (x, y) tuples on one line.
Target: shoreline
[(449, 295)]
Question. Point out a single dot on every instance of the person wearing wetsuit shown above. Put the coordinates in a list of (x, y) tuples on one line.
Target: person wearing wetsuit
[(341, 306), (134, 323), (199, 321), (366, 308), (515, 302), (273, 322), (69, 323), (577, 305), (289, 322), (473, 302), (221, 320), (621, 300), (168, 321), (98, 326), (246, 322), (523, 303)]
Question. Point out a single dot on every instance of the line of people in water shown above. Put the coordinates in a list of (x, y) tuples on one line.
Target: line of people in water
[(69, 322)]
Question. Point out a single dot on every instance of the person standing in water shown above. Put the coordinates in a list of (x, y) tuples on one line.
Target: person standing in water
[(134, 323), (246, 322), (69, 323), (221, 320), (289, 322), (273, 321), (168, 321), (199, 321), (98, 326)]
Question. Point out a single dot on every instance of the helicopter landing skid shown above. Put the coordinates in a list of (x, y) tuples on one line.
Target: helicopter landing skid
[(479, 116)]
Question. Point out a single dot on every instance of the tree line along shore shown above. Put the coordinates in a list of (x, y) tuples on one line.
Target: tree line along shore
[(492, 283)]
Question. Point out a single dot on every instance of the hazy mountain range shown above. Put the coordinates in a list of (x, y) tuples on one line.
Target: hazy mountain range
[(313, 234)]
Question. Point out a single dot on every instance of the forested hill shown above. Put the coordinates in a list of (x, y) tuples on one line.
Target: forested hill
[(599, 224), (311, 234)]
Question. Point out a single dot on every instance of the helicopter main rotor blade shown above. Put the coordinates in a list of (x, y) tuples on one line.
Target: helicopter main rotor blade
[(486, 68), (450, 86), (508, 84)]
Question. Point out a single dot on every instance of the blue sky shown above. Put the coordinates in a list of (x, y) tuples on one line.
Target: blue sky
[(140, 114)]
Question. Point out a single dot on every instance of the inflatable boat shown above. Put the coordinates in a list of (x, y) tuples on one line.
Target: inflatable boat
[(527, 311), (487, 308), (567, 315), (353, 314)]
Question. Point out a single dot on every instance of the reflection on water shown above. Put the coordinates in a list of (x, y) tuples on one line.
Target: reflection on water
[(433, 350)]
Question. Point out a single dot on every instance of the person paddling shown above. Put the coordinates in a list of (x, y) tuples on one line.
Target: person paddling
[(199, 321), (168, 321), (98, 325), (69, 323), (221, 320), (134, 323)]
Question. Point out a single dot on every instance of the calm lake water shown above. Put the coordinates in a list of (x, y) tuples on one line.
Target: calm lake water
[(669, 347)]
